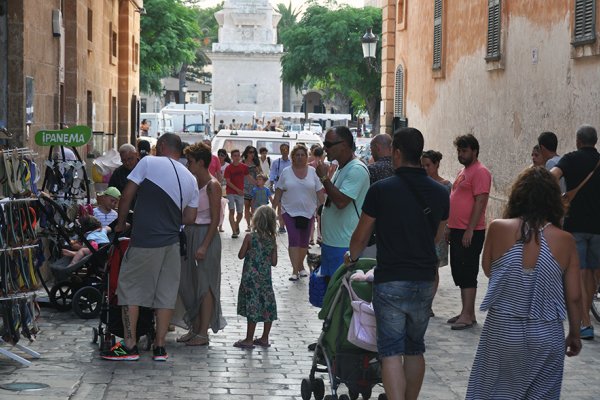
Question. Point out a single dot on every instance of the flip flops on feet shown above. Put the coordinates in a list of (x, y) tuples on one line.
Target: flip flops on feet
[(454, 319), (197, 340), (459, 326), (241, 345), (261, 343)]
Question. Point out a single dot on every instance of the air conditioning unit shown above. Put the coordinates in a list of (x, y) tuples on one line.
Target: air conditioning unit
[(56, 22)]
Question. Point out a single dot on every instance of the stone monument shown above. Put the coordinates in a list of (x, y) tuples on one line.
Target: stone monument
[(246, 61)]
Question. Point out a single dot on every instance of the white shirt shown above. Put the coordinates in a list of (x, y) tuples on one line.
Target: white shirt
[(299, 195)]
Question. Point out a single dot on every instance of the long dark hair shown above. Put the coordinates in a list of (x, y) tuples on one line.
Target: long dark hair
[(221, 152), (254, 159), (535, 198)]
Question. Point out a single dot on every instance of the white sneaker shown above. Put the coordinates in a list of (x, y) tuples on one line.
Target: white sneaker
[(303, 274), (294, 277)]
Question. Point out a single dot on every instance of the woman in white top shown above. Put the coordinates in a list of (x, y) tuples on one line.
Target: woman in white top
[(300, 192), (199, 301)]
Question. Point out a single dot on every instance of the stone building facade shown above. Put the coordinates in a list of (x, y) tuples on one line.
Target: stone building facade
[(73, 62), (502, 70)]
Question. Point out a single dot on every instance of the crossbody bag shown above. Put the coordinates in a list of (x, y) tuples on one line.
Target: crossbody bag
[(570, 195), (182, 236), (422, 203)]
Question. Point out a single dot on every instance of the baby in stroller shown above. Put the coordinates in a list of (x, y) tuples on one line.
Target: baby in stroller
[(95, 234)]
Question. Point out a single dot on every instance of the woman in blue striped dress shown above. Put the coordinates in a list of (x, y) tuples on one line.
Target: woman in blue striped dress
[(534, 285)]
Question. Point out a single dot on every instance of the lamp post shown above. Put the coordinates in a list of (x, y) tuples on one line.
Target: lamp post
[(369, 48), (184, 90), (305, 100), (164, 94)]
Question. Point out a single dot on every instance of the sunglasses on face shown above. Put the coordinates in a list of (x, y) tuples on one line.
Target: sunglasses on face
[(331, 144)]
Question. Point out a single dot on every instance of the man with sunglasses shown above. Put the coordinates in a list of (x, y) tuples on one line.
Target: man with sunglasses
[(346, 192)]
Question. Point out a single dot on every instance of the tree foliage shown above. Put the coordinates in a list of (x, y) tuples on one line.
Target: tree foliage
[(324, 50), (289, 18), (170, 37)]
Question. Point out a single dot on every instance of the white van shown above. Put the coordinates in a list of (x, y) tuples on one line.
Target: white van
[(238, 139), (159, 123)]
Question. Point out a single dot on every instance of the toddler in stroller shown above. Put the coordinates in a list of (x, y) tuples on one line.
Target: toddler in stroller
[(95, 234)]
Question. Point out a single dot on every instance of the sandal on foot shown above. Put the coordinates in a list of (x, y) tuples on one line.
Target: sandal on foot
[(260, 343), (241, 345), (453, 320), (186, 337), (197, 340)]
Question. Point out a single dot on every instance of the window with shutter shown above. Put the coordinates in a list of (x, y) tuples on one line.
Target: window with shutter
[(585, 22), (437, 34), (494, 29), (399, 95)]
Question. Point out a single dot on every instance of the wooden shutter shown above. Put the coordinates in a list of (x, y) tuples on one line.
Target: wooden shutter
[(437, 34), (399, 94), (494, 28), (585, 21)]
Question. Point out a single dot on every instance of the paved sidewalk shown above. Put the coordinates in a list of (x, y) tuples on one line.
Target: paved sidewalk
[(71, 366)]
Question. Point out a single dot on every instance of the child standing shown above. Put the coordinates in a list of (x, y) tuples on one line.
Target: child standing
[(261, 195), (256, 298)]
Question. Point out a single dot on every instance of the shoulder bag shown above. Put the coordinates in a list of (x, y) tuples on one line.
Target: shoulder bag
[(182, 236), (570, 195)]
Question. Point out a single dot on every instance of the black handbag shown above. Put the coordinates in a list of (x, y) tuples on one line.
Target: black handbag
[(301, 222), (182, 235)]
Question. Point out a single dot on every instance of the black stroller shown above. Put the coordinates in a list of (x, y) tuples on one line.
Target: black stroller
[(110, 324), (344, 362)]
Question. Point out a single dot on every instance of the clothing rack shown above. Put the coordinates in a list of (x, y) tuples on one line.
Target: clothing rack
[(18, 281)]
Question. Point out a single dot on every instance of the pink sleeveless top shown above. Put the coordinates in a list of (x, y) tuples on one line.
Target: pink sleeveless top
[(203, 216)]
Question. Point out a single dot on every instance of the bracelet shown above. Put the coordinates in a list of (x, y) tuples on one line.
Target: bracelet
[(324, 178)]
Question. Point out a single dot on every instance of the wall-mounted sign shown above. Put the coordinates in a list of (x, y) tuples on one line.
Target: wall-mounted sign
[(71, 137)]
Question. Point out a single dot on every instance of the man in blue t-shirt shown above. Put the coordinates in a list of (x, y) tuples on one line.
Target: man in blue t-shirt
[(346, 192), (408, 212)]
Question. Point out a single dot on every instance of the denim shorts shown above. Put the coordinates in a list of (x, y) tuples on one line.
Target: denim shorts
[(402, 315), (588, 249), (236, 202)]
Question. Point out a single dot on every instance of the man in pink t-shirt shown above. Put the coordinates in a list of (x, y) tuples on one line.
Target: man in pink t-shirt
[(466, 226)]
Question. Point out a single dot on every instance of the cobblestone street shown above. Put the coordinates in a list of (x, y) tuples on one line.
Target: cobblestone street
[(71, 367)]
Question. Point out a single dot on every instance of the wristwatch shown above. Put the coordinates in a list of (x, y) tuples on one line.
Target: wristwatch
[(352, 260), (324, 178)]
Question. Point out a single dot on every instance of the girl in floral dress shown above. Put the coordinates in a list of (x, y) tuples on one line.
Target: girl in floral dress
[(256, 298)]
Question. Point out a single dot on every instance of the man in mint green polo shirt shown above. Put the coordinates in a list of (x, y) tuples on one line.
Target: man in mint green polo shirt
[(346, 192)]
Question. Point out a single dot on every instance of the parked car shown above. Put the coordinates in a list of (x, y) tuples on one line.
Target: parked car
[(195, 128), (314, 127)]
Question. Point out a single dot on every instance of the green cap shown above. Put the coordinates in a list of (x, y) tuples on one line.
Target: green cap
[(110, 191)]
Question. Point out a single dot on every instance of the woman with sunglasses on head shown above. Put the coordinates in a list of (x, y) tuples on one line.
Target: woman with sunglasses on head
[(250, 159), (300, 192)]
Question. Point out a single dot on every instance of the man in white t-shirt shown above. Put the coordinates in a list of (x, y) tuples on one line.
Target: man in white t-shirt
[(167, 198)]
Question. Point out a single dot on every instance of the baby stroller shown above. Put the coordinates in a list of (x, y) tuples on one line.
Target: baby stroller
[(344, 362), (110, 324)]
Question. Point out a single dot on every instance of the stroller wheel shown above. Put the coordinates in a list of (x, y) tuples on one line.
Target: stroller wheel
[(331, 397), (382, 396), (366, 394), (86, 302), (344, 397), (61, 295), (306, 389), (318, 387), (95, 337), (353, 395)]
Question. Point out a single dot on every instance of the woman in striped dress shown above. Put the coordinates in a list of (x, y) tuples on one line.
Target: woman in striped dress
[(534, 285)]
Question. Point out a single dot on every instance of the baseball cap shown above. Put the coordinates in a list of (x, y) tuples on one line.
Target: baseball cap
[(110, 191)]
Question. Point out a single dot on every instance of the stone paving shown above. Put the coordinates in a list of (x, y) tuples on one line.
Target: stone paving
[(71, 367)]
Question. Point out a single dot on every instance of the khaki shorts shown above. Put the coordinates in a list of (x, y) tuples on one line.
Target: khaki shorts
[(149, 277)]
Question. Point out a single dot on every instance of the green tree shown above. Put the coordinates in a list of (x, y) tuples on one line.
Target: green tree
[(169, 37), (324, 50), (289, 18)]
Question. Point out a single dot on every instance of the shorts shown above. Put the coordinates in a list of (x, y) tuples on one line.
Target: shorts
[(464, 261), (297, 237), (588, 249), (331, 259), (236, 201), (402, 315), (149, 277)]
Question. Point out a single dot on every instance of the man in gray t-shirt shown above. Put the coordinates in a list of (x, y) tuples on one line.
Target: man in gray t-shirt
[(548, 143)]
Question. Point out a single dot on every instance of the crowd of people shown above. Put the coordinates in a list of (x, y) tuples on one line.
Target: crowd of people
[(541, 262)]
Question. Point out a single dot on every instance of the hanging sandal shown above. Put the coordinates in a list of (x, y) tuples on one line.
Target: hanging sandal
[(198, 340)]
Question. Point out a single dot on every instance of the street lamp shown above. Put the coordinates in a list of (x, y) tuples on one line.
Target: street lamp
[(369, 48), (164, 93), (304, 93), (184, 90)]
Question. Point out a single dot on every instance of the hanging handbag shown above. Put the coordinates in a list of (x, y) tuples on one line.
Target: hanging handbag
[(182, 236), (317, 286), (362, 331), (301, 222)]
